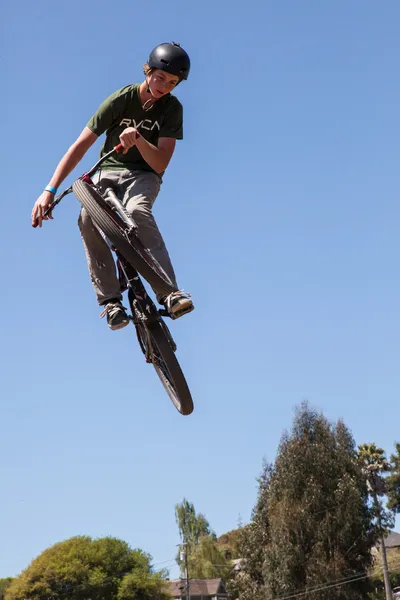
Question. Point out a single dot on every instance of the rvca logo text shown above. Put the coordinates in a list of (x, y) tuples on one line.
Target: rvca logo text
[(143, 124)]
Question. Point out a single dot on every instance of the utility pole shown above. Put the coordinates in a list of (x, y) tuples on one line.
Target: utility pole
[(184, 558), (386, 578), (388, 586), (377, 486)]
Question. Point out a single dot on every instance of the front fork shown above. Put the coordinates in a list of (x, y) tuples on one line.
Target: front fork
[(111, 198), (154, 315)]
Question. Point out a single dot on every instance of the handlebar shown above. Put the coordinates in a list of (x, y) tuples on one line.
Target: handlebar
[(85, 177)]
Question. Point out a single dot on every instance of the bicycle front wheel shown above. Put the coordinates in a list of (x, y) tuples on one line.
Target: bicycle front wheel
[(115, 229)]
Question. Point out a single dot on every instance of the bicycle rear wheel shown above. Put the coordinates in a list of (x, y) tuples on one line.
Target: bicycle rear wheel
[(167, 366), (115, 229)]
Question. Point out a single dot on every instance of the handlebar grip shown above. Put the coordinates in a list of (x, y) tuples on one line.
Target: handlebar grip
[(49, 209), (119, 148)]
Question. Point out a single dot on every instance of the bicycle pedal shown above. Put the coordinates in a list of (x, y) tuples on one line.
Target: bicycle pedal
[(180, 313)]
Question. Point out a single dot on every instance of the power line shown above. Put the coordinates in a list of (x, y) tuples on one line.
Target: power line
[(330, 585), (161, 562), (319, 589)]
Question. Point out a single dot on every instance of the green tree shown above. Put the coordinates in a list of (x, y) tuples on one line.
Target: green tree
[(393, 481), (139, 586), (375, 467), (205, 558), (4, 584), (207, 561), (191, 525), (81, 568), (312, 524)]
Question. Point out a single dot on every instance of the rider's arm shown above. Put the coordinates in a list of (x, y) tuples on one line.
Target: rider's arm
[(68, 162), (157, 157), (96, 126), (71, 158), (103, 118), (107, 113)]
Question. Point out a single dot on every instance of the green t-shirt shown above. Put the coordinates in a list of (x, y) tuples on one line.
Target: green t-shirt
[(124, 109)]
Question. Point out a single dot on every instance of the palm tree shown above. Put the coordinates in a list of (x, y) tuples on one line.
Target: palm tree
[(393, 481), (375, 465)]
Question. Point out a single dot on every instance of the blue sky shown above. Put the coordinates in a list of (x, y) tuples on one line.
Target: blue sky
[(280, 212)]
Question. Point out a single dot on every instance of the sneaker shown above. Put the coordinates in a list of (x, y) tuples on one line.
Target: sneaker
[(116, 315), (178, 304)]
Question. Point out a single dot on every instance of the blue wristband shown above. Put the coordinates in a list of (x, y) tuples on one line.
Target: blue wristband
[(50, 188)]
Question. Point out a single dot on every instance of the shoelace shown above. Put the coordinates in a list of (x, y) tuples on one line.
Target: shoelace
[(111, 308), (177, 294)]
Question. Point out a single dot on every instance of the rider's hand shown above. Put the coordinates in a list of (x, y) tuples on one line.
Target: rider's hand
[(128, 138), (39, 208)]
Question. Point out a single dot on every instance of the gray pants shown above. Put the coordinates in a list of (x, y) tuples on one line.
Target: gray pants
[(137, 190)]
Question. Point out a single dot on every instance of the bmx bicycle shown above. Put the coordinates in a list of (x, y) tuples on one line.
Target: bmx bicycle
[(134, 260)]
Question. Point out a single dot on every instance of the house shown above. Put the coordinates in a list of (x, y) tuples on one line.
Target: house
[(392, 545), (200, 589), (392, 540)]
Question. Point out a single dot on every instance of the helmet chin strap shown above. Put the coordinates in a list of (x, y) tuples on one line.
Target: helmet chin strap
[(148, 105)]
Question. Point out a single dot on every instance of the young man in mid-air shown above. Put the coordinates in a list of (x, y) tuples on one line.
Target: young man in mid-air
[(147, 120)]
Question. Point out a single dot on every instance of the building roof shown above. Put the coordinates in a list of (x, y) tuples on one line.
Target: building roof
[(392, 540), (198, 587)]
